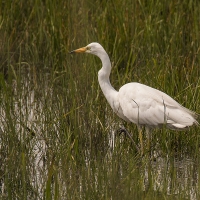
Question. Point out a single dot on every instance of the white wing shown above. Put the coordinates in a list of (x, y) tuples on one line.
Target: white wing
[(147, 106)]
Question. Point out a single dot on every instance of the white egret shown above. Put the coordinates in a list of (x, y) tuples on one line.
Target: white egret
[(138, 103)]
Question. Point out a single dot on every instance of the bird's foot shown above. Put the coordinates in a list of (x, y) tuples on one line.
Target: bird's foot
[(127, 134)]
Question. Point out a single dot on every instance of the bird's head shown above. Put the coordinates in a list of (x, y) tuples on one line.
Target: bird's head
[(92, 48)]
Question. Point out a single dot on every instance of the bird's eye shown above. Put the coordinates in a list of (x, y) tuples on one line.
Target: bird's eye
[(88, 48)]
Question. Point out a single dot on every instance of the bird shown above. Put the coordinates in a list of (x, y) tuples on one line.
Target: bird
[(138, 103)]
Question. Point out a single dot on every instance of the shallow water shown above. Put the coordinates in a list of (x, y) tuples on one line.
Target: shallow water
[(84, 166)]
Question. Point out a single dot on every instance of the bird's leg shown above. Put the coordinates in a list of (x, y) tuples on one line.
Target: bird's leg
[(141, 140), (123, 130)]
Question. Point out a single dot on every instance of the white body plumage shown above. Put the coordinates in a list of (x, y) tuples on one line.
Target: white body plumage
[(138, 103)]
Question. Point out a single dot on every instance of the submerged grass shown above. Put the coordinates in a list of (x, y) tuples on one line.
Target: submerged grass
[(57, 131)]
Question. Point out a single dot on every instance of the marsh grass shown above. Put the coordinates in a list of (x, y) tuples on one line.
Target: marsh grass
[(57, 131)]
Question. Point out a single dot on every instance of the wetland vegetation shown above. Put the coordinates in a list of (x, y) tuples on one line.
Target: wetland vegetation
[(57, 132)]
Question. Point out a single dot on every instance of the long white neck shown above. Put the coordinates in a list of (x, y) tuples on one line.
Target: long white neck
[(103, 78)]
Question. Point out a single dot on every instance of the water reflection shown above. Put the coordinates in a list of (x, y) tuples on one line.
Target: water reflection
[(171, 176), (175, 176)]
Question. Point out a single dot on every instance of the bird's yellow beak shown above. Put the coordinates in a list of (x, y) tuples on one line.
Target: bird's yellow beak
[(80, 50)]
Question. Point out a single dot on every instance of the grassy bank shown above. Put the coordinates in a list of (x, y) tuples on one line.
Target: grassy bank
[(56, 133)]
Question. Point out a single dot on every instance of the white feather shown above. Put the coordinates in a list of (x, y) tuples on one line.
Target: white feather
[(138, 103)]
